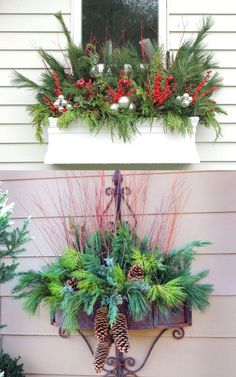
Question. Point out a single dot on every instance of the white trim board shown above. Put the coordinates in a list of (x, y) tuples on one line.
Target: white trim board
[(76, 21)]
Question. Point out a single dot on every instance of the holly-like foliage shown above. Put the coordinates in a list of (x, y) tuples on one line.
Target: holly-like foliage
[(172, 93)]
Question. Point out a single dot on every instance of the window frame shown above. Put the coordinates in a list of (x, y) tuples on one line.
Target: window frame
[(163, 16)]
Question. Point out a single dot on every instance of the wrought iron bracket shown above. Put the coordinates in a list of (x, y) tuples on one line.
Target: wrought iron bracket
[(125, 366), (119, 195)]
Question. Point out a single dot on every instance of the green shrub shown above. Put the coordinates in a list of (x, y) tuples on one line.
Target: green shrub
[(10, 366)]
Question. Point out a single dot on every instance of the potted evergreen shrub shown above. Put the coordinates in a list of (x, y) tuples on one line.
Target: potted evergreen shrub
[(118, 104)]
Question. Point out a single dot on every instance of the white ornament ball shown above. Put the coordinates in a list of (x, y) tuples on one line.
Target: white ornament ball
[(69, 106), (190, 99), (101, 67), (185, 95), (178, 98), (56, 104), (64, 102), (115, 107), (124, 102), (61, 97), (61, 109), (185, 103), (132, 106)]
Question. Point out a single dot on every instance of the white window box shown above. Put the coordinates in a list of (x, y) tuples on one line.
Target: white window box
[(76, 145)]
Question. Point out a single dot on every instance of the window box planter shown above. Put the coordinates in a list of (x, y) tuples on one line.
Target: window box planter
[(175, 319), (76, 145)]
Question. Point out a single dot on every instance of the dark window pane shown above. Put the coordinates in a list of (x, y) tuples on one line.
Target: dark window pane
[(121, 21)]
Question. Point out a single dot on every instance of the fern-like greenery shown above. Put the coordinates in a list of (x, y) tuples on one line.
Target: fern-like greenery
[(101, 277), (89, 100)]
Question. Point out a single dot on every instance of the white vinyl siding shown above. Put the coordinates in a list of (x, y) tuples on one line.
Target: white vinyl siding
[(27, 24), (184, 19), (209, 346)]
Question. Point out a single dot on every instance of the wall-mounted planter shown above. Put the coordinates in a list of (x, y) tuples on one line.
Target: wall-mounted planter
[(175, 319), (76, 145)]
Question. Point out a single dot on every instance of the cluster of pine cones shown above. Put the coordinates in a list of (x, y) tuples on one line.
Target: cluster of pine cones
[(117, 333), (106, 335)]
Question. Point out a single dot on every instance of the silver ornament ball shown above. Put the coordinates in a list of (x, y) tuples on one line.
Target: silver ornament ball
[(56, 104), (124, 102), (132, 107), (185, 103), (61, 109), (115, 107), (64, 102), (61, 97)]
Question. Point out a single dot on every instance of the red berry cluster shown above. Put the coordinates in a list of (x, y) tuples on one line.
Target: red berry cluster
[(125, 87), (160, 92), (199, 93), (58, 90), (52, 107)]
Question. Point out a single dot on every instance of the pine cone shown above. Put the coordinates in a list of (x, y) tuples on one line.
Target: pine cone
[(101, 325), (101, 354), (72, 283), (135, 273), (120, 333)]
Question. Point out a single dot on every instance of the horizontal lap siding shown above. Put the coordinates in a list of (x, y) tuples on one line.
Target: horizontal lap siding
[(185, 17), (210, 344), (25, 25)]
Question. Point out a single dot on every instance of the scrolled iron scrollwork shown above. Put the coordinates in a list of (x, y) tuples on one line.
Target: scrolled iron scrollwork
[(63, 333), (178, 333), (111, 362)]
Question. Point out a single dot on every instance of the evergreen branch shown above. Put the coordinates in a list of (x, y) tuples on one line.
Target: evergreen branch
[(65, 30), (22, 81)]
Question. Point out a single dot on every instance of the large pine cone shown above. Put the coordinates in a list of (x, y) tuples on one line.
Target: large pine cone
[(101, 325), (101, 354), (120, 333), (135, 273)]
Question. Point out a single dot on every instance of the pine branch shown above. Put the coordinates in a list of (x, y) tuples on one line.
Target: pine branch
[(65, 30), (22, 81)]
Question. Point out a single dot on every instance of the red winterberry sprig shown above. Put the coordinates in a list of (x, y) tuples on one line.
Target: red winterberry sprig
[(58, 90), (125, 87), (160, 92)]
